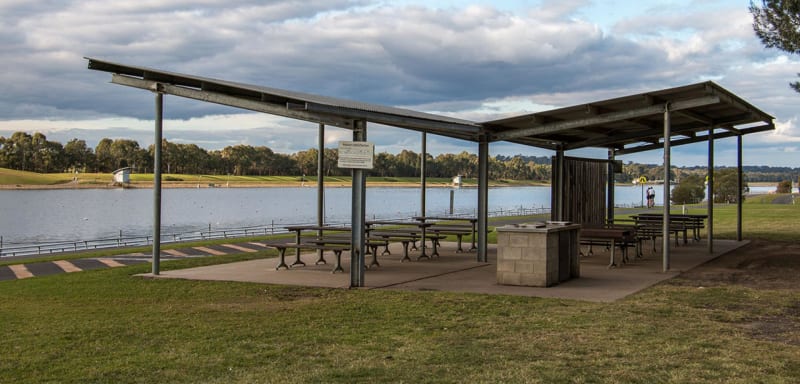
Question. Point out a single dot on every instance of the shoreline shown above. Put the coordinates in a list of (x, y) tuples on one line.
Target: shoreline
[(33, 187), (337, 184)]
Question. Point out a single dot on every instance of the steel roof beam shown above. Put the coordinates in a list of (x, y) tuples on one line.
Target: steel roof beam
[(223, 99), (605, 118), (650, 147), (459, 131)]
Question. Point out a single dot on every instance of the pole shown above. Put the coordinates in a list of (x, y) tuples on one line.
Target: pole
[(157, 184), (665, 229), (610, 212), (740, 187), (483, 200), (711, 190), (452, 199), (559, 214), (358, 212), (320, 183), (423, 161)]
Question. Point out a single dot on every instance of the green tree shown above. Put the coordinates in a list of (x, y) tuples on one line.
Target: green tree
[(777, 24), (690, 190), (77, 155), (104, 159), (127, 153), (726, 185)]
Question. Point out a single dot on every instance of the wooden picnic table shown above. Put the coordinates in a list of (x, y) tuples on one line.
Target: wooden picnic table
[(298, 230), (653, 223), (342, 241), (613, 235), (692, 221), (422, 226), (473, 221)]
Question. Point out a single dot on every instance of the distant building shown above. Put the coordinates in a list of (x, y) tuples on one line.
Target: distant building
[(122, 176), (457, 181)]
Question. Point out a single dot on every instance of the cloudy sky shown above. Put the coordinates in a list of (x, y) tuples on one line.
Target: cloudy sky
[(477, 60)]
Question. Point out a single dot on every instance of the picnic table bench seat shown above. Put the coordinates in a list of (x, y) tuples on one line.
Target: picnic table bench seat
[(459, 231), (611, 236), (693, 222), (371, 243), (653, 226), (406, 237), (282, 247)]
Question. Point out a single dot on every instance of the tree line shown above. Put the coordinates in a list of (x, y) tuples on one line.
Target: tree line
[(26, 152), (23, 151)]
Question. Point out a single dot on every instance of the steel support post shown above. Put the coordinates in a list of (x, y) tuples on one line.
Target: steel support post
[(740, 187), (559, 208), (710, 190), (423, 179), (483, 200), (320, 183), (610, 203), (358, 214), (157, 184), (665, 232)]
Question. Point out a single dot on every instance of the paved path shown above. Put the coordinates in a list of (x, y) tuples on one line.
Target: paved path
[(47, 268)]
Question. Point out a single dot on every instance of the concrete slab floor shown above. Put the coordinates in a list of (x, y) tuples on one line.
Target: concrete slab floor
[(460, 272)]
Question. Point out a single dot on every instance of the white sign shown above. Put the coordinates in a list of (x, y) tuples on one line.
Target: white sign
[(356, 154)]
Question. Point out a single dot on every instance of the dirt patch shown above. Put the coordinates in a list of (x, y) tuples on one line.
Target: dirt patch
[(765, 265), (759, 265)]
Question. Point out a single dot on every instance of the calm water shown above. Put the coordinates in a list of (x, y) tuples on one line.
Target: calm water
[(52, 215)]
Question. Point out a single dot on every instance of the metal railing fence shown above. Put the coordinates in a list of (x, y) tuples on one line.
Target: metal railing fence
[(55, 247)]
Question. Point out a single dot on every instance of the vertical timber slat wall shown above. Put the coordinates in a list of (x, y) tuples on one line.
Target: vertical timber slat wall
[(584, 190)]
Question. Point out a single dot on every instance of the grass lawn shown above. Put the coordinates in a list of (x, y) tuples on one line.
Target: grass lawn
[(13, 178), (109, 326)]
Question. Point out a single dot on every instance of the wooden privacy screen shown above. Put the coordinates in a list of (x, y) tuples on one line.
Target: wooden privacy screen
[(584, 190)]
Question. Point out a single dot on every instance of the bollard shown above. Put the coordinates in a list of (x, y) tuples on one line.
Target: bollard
[(452, 199)]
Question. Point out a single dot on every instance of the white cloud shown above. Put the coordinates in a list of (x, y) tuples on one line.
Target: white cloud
[(477, 60)]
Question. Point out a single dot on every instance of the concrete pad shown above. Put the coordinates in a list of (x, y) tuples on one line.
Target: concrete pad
[(460, 272)]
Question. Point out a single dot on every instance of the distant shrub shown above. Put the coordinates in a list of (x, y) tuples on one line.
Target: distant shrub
[(172, 178), (784, 187)]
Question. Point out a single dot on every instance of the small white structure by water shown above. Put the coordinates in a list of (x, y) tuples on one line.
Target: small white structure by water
[(457, 181), (122, 176)]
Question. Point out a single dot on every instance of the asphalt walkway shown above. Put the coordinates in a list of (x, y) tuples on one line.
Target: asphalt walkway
[(48, 268)]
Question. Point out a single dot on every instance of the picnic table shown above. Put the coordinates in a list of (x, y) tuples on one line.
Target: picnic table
[(652, 224), (299, 229), (418, 229), (693, 222), (613, 235), (472, 220)]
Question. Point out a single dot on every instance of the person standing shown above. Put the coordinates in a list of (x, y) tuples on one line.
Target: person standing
[(651, 197)]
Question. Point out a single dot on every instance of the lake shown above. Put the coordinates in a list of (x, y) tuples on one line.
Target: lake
[(34, 216)]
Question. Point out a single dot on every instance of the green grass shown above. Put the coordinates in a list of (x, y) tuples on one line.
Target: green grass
[(108, 326), (13, 177)]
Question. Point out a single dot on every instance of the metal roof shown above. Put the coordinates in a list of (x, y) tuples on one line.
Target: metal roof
[(636, 122), (627, 124), (298, 105)]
